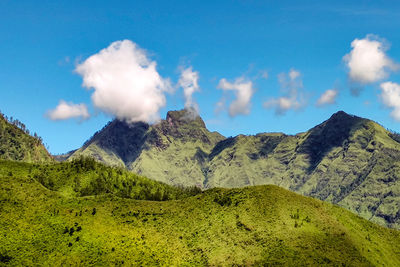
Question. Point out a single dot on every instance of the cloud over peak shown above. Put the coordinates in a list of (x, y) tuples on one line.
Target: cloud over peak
[(125, 82), (65, 111), (243, 90), (189, 82), (367, 61)]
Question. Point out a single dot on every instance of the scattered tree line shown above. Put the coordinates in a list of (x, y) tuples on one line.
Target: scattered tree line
[(21, 126), (87, 177)]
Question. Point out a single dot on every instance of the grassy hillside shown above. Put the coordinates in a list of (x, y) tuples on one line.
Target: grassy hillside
[(17, 144), (260, 225)]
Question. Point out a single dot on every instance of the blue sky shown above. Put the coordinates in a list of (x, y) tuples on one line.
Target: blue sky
[(42, 43)]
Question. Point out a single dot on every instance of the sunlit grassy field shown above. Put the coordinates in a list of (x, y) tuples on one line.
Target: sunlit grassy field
[(249, 226)]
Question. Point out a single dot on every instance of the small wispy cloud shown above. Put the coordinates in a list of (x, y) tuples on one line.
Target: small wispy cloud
[(65, 111), (243, 90), (293, 98), (328, 97)]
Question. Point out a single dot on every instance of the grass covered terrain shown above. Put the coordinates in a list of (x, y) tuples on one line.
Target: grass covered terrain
[(252, 225)]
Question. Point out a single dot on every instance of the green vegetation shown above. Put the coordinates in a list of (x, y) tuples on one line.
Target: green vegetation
[(86, 177), (262, 225), (17, 144), (346, 160)]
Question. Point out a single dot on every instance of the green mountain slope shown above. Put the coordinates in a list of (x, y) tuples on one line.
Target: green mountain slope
[(347, 160), (17, 144), (262, 225), (172, 151)]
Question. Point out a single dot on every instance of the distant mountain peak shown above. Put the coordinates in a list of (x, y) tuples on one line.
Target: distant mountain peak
[(341, 115)]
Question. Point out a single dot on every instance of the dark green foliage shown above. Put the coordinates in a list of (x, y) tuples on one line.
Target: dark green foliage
[(4, 258), (71, 231), (223, 200), (395, 136)]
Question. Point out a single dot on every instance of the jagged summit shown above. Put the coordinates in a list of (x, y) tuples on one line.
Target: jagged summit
[(184, 117)]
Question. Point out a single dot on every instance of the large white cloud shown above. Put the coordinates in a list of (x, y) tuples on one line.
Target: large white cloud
[(189, 82), (125, 81), (390, 95), (243, 92), (66, 111), (368, 62), (293, 98), (328, 97)]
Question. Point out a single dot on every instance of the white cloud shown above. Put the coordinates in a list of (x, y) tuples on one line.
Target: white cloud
[(367, 61), (189, 82), (328, 97), (293, 98), (390, 96), (125, 81), (243, 92), (66, 111)]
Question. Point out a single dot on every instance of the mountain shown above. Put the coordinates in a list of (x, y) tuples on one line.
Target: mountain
[(258, 225), (346, 160), (17, 144), (172, 151)]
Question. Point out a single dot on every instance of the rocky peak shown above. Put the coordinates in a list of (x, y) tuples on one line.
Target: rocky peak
[(184, 117)]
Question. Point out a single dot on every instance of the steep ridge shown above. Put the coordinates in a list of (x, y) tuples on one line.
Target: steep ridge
[(346, 160), (172, 151), (17, 144)]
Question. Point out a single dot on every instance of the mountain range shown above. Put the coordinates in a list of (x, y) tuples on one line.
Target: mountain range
[(346, 160), (84, 212)]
